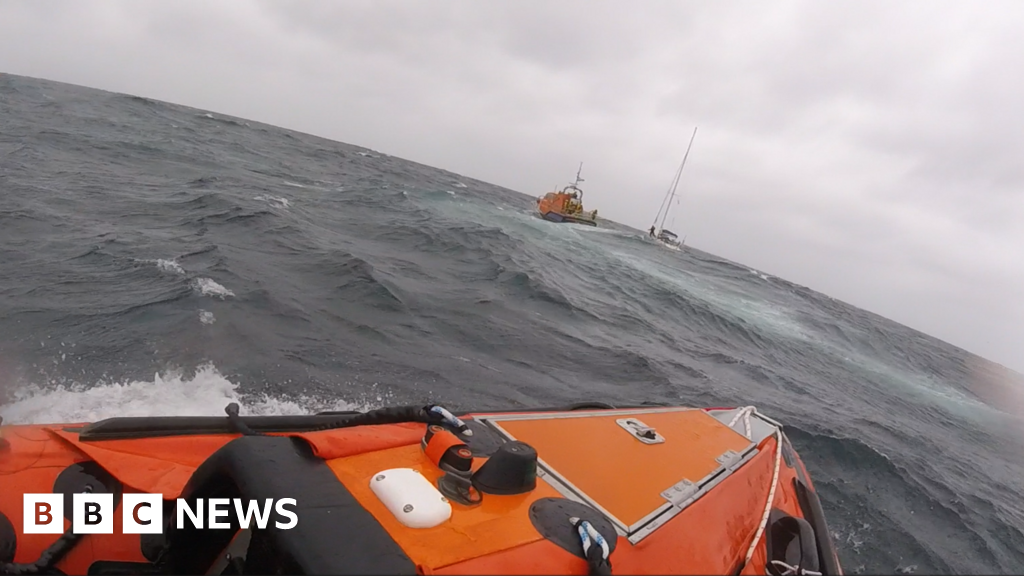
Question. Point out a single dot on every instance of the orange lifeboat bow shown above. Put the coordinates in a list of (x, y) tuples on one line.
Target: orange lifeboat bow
[(589, 489)]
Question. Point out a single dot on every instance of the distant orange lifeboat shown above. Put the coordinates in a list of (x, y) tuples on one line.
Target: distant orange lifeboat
[(583, 489), (567, 205)]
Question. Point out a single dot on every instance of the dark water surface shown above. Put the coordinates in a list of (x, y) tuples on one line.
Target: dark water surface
[(157, 259)]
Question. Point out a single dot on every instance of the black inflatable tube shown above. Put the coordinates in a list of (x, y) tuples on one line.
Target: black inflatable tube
[(810, 505), (126, 428)]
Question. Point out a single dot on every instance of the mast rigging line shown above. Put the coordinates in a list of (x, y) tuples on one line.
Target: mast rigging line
[(666, 203)]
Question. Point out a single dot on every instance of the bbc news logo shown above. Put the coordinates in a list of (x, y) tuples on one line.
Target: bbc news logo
[(144, 513)]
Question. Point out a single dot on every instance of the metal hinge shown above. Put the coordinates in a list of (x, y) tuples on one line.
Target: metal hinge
[(728, 459), (680, 492)]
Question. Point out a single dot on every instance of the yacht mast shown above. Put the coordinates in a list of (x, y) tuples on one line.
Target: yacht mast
[(667, 202)]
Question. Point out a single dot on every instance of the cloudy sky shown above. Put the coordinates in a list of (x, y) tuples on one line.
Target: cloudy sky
[(870, 150)]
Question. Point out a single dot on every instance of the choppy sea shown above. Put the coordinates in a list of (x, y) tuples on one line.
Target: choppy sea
[(158, 259)]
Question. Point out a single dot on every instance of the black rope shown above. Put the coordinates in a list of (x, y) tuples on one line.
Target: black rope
[(392, 415), (237, 423), (238, 563), (47, 559), (395, 415), (460, 489)]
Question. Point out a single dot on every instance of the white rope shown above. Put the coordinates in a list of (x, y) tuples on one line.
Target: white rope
[(590, 534), (793, 570), (745, 414), (452, 419), (771, 493)]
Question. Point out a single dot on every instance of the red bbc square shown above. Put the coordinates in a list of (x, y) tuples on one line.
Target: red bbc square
[(43, 514), (143, 514)]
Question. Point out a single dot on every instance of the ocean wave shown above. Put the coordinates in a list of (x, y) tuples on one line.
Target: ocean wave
[(221, 120), (170, 266), (275, 201), (204, 392), (209, 287), (145, 235), (883, 503)]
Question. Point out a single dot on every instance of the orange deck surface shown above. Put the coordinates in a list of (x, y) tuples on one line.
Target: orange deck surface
[(621, 474), (498, 523)]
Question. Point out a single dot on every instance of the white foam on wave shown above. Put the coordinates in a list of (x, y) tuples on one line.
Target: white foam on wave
[(460, 185), (170, 266), (276, 201), (763, 314), (917, 386), (207, 287), (204, 394), (206, 317), (293, 184)]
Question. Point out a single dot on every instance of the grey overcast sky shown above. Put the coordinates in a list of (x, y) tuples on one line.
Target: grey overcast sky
[(870, 150)]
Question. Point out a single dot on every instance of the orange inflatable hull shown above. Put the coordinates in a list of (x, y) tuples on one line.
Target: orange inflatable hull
[(667, 490)]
